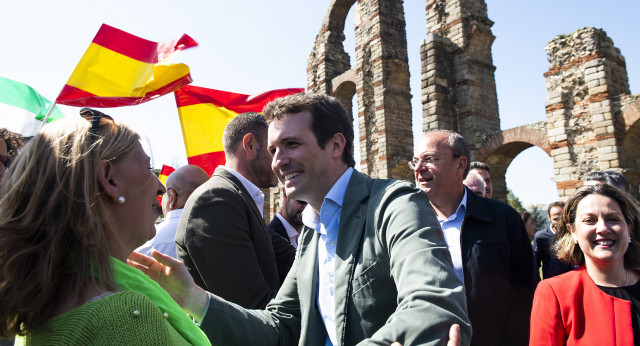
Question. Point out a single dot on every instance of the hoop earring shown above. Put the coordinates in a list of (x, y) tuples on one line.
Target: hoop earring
[(121, 200)]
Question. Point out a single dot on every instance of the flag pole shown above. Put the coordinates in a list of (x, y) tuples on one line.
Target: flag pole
[(46, 117)]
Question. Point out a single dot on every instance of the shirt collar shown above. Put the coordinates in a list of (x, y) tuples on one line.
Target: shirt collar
[(310, 218), (462, 207), (173, 214), (254, 191), (291, 232)]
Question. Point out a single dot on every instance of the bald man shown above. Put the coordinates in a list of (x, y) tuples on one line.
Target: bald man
[(475, 183), (180, 184)]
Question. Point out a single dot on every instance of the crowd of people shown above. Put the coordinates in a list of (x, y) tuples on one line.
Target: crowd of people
[(347, 260)]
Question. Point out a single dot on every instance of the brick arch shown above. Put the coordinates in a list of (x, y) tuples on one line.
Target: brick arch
[(344, 88), (502, 147), (328, 58)]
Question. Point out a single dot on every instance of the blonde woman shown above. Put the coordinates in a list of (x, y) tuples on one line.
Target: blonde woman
[(77, 201)]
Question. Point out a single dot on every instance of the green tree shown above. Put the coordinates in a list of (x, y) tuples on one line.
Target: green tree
[(514, 201), (539, 216)]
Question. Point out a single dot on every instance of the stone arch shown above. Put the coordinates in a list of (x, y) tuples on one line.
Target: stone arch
[(328, 58), (502, 147), (344, 88)]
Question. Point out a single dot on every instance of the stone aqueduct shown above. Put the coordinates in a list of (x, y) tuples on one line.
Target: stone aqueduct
[(592, 119)]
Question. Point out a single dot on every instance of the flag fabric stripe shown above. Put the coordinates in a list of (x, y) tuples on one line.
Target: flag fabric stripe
[(238, 103), (164, 173), (19, 120), (138, 48), (203, 118), (208, 161), (120, 69), (84, 98), (22, 109), (204, 113)]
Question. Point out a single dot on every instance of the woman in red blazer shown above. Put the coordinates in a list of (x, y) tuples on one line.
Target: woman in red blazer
[(598, 303)]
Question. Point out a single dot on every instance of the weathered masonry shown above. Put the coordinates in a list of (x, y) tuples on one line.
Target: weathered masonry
[(592, 119)]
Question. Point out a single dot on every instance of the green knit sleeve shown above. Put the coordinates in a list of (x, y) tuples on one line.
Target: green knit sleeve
[(131, 318), (123, 318)]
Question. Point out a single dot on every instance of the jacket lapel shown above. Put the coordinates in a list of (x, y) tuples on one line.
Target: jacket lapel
[(350, 231), (247, 197), (307, 279)]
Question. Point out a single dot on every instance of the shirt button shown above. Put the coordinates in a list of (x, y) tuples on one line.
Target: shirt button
[(332, 243)]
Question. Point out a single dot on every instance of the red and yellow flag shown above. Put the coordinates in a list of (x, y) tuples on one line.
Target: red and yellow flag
[(120, 69), (204, 113), (164, 173)]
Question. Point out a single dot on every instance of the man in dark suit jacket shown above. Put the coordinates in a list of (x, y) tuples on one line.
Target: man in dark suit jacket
[(489, 245), (222, 237), (542, 242), (288, 222)]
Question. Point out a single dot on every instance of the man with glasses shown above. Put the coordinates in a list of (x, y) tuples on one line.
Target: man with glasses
[(180, 184), (488, 242)]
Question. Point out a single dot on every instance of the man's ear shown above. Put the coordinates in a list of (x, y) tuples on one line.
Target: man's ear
[(250, 144), (337, 143), (173, 199), (463, 165), (107, 181)]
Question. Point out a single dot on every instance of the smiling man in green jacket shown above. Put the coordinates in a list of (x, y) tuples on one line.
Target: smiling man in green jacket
[(372, 264)]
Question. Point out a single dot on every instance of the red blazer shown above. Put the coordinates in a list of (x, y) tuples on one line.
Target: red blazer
[(570, 309)]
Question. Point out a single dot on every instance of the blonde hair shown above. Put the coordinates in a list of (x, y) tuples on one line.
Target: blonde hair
[(564, 246), (53, 221)]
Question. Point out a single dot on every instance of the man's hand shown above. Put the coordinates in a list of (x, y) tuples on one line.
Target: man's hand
[(454, 337), (174, 277)]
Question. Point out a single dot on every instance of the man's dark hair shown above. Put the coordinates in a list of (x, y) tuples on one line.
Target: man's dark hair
[(13, 141), (480, 165), (242, 124), (328, 118), (555, 204), (613, 178)]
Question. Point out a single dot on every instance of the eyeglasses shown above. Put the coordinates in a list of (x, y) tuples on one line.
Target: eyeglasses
[(96, 118), (6, 160), (428, 160)]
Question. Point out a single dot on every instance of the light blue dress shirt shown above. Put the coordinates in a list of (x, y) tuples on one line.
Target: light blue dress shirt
[(451, 227), (327, 224)]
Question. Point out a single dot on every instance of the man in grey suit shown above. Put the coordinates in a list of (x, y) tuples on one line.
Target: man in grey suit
[(372, 264), (222, 237)]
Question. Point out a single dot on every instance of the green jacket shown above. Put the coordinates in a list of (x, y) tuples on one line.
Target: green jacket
[(394, 280)]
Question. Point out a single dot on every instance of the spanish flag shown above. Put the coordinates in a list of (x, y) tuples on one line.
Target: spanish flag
[(120, 69), (164, 173), (204, 113)]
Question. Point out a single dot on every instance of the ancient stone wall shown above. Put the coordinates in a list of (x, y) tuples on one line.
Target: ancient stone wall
[(585, 79), (458, 83), (379, 81), (592, 120)]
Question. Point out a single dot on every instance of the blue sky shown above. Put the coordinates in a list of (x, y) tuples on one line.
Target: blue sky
[(253, 46)]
